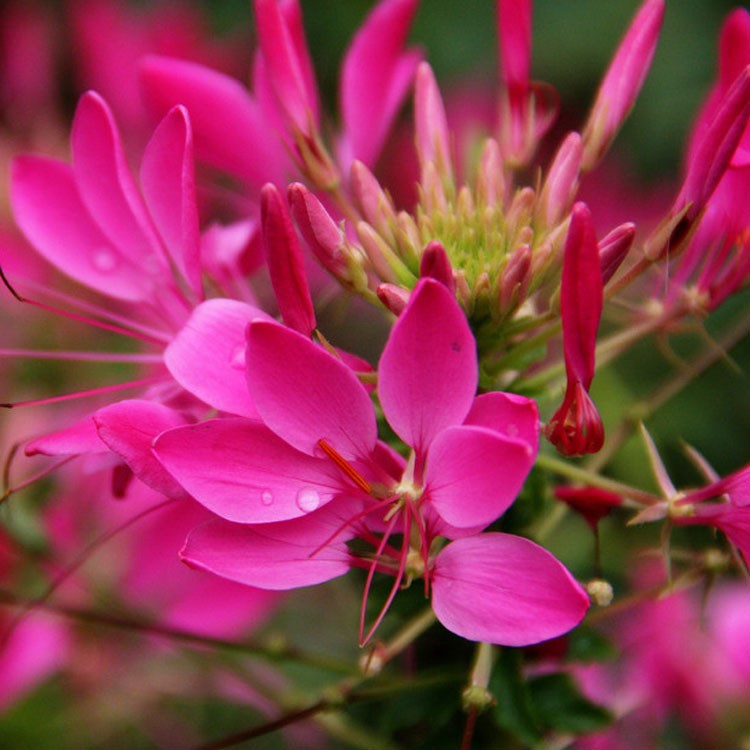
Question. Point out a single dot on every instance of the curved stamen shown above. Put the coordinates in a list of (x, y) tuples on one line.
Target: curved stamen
[(77, 317), (406, 517), (84, 394), (79, 356)]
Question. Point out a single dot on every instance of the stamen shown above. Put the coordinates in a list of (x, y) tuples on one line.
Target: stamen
[(83, 394), (396, 583), (75, 316), (364, 533), (8, 490), (345, 466), (78, 356)]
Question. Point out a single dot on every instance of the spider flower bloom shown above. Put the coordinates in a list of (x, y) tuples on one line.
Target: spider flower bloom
[(137, 244), (731, 514), (313, 476), (576, 426), (376, 74)]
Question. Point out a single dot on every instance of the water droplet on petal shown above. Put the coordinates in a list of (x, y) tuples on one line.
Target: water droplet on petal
[(237, 357), (104, 259), (511, 429), (308, 499), (266, 497)]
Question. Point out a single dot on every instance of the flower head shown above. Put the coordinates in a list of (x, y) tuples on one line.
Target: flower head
[(313, 476)]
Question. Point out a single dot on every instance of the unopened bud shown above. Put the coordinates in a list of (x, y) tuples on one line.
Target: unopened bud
[(393, 297), (613, 249), (435, 263), (562, 180), (514, 280)]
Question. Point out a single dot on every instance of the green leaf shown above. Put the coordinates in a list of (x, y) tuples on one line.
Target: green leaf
[(559, 705), (587, 645), (514, 710)]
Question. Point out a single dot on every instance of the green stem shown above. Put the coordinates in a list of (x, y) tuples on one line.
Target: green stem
[(643, 410), (274, 652), (586, 476)]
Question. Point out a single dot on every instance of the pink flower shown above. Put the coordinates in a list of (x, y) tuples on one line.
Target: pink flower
[(731, 514), (376, 75), (313, 475)]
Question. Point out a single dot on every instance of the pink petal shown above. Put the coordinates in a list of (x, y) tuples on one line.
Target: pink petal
[(254, 152), (304, 394), (241, 471), (106, 184), (285, 262), (207, 356), (156, 579), (473, 475), (734, 46), (375, 76), (129, 427), (511, 415), (49, 211), (37, 648), (432, 134), (277, 556), (287, 60), (80, 437), (504, 589), (168, 181), (514, 33), (427, 375)]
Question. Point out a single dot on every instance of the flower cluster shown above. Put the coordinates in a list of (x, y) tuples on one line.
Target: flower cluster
[(255, 454)]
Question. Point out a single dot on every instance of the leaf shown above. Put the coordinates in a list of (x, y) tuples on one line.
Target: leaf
[(514, 710), (560, 706)]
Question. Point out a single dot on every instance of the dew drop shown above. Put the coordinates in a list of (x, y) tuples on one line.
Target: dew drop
[(237, 357), (266, 497), (103, 259), (511, 429), (308, 499)]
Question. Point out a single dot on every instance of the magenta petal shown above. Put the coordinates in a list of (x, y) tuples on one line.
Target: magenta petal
[(513, 416), (207, 356), (304, 394), (80, 437), (277, 556), (129, 427), (473, 475), (241, 471), (287, 60), (106, 184), (168, 181), (49, 211), (375, 76), (504, 589), (254, 152), (427, 375)]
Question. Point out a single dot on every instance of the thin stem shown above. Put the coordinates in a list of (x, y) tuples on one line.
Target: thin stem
[(268, 727), (407, 635), (641, 411), (272, 652), (586, 476)]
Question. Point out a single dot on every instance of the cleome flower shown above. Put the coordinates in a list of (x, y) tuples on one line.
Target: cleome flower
[(309, 492)]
